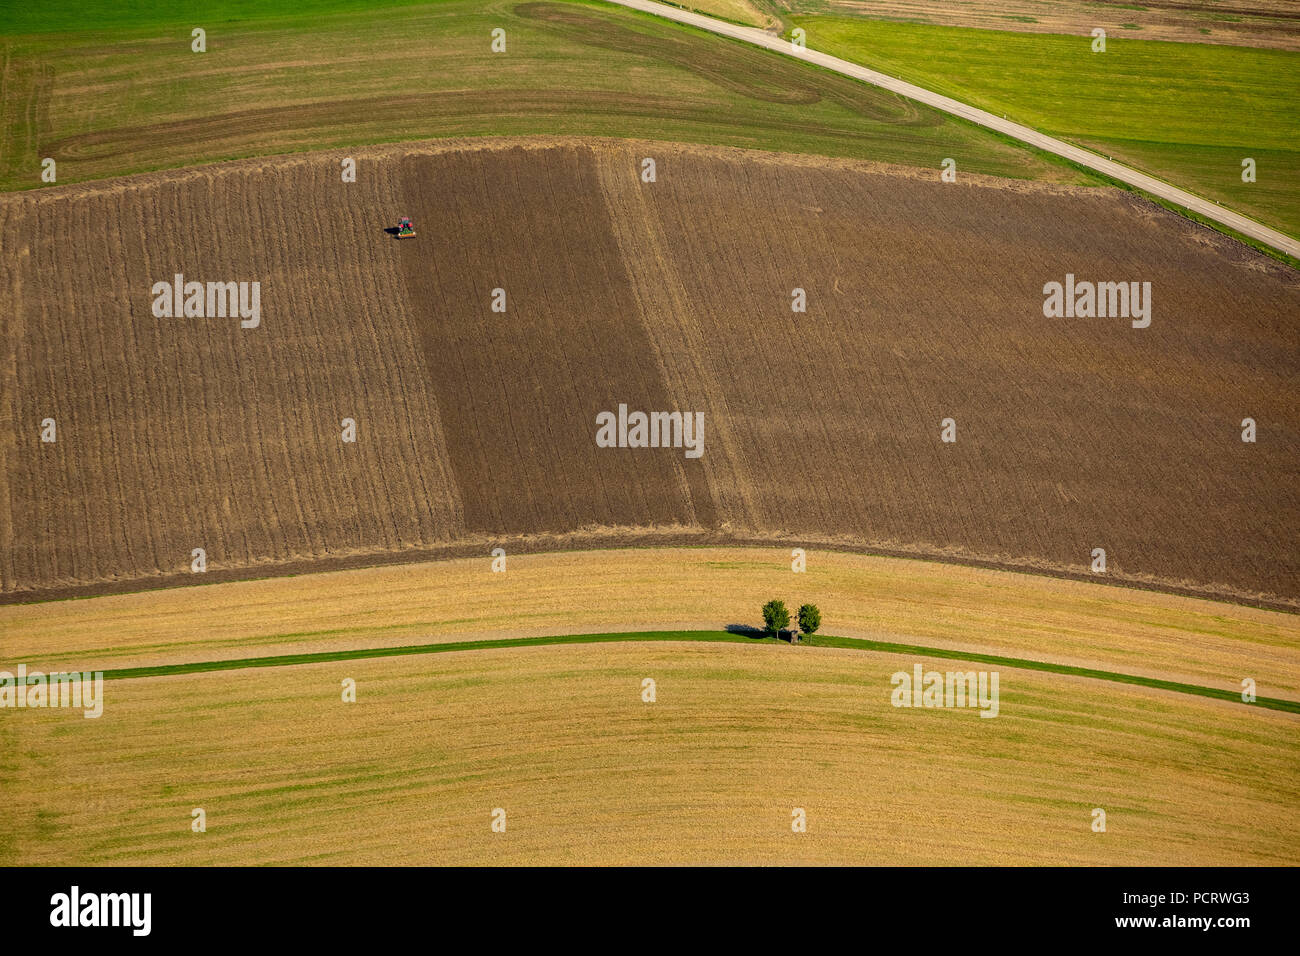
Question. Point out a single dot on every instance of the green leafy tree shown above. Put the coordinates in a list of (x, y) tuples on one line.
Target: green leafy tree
[(775, 616), (810, 618)]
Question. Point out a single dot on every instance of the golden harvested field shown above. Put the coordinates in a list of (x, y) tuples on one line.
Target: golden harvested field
[(912, 602), (478, 428), (559, 737)]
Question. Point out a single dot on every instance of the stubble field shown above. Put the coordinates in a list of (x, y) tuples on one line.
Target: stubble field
[(738, 736), (1026, 616), (589, 773)]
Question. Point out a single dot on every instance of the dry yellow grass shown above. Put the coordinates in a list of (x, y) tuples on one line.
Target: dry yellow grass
[(587, 773), (1018, 615)]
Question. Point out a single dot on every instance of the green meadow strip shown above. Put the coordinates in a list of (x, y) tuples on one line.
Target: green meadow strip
[(727, 637), (364, 653), (1272, 703)]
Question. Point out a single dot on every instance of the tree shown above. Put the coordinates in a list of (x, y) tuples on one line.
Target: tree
[(810, 618), (775, 616)]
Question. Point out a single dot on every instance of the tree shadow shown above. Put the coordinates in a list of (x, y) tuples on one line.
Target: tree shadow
[(747, 631), (758, 633)]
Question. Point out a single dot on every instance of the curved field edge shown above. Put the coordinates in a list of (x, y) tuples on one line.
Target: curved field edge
[(590, 772), (731, 637), (952, 608), (617, 539)]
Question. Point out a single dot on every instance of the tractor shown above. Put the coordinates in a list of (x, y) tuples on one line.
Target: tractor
[(404, 228)]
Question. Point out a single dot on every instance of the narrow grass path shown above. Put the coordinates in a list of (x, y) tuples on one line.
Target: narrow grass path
[(729, 637)]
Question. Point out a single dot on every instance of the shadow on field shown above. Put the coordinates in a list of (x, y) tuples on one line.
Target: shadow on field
[(392, 230), (758, 634), (746, 630)]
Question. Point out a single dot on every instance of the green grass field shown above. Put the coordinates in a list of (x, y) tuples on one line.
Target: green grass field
[(1187, 113), (123, 93), (72, 16)]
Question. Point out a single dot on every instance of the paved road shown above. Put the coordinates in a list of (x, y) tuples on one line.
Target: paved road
[(1207, 208)]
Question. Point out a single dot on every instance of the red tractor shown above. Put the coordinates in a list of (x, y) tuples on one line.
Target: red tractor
[(404, 228)]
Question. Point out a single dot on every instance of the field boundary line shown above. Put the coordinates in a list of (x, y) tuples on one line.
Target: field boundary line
[(578, 542), (700, 636), (1025, 134)]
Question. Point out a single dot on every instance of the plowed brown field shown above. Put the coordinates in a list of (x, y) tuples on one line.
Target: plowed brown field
[(477, 428)]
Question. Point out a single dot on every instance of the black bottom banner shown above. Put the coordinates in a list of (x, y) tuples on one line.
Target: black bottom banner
[(947, 906)]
